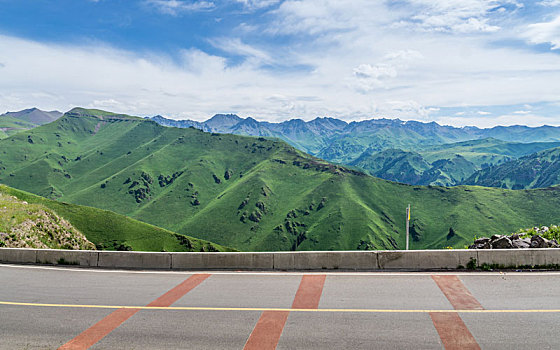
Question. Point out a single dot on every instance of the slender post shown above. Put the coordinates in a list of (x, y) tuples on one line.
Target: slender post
[(407, 224)]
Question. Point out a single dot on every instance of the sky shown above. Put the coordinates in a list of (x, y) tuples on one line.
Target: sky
[(456, 62)]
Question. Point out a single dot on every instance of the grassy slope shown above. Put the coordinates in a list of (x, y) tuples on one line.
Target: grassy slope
[(540, 169), (275, 197), (14, 122), (105, 227), (394, 165), (10, 125)]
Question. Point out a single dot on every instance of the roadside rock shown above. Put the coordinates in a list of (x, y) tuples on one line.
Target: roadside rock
[(521, 243), (501, 242), (539, 242), (481, 243), (516, 241)]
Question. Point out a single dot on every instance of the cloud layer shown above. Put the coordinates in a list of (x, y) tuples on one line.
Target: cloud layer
[(414, 59)]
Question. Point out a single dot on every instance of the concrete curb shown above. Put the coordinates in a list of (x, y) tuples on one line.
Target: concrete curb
[(290, 261)]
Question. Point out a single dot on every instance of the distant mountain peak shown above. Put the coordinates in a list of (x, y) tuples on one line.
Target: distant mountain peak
[(34, 115), (222, 122), (223, 117)]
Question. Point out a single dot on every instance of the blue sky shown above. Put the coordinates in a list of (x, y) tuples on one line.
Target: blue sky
[(458, 62)]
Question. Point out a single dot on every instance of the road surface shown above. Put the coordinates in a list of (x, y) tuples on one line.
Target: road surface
[(72, 308)]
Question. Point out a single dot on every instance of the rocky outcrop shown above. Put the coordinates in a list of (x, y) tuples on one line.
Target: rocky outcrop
[(532, 239), (44, 229)]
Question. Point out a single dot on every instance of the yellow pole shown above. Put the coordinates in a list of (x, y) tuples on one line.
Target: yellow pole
[(407, 224)]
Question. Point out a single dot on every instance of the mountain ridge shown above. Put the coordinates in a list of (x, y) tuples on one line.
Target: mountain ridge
[(453, 154), (541, 169)]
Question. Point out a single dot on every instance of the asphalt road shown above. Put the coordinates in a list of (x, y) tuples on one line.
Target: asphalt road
[(50, 308)]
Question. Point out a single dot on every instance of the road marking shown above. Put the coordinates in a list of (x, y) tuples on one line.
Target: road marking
[(205, 308), (286, 273), (98, 331), (309, 292), (179, 291), (269, 327), (452, 331), (456, 292), (267, 331)]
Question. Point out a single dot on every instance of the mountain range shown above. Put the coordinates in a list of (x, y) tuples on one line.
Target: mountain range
[(410, 152), (250, 193)]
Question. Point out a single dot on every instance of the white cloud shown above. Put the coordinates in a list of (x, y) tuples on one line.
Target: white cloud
[(546, 32), (175, 7), (371, 76), (549, 3), (323, 16), (409, 109), (199, 62), (483, 113), (461, 16), (505, 120), (379, 71), (236, 47), (257, 4)]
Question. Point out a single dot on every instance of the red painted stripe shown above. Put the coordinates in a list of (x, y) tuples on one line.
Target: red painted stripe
[(178, 292), (267, 331), (309, 292), (453, 332), (456, 292), (99, 330), (102, 328), (269, 327)]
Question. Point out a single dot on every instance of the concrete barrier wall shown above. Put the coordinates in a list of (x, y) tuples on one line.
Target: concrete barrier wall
[(425, 259), (289, 261), (222, 261), (363, 260)]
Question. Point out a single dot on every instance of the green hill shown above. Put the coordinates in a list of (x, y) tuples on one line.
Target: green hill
[(394, 165), (107, 230), (14, 122), (249, 193), (412, 168), (541, 169)]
